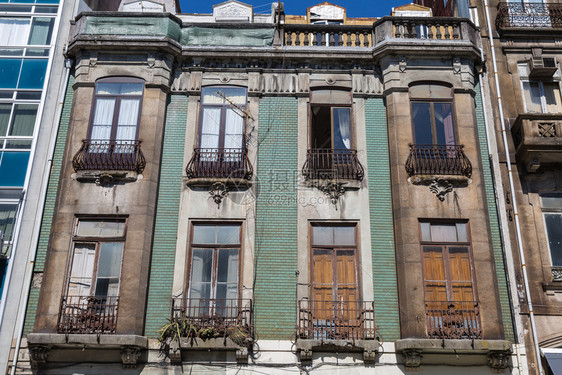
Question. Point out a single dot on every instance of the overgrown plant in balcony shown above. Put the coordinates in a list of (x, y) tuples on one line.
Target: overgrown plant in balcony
[(177, 328)]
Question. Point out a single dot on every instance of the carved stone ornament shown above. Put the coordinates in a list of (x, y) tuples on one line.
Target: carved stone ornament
[(412, 358), (130, 355), (104, 179), (242, 355), (334, 190), (498, 360), (218, 192), (556, 273), (38, 355), (369, 355), (306, 355), (402, 65), (440, 187)]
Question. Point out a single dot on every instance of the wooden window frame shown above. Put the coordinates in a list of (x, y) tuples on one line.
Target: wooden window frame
[(97, 241), (223, 107), (446, 260), (214, 248), (332, 107), (334, 248), (117, 107)]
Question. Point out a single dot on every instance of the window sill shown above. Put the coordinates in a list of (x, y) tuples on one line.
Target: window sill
[(55, 347), (224, 344), (494, 353), (369, 348), (241, 183), (426, 179)]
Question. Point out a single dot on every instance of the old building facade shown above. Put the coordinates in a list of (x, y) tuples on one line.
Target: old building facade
[(247, 192)]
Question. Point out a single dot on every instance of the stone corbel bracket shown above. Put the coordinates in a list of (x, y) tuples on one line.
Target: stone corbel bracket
[(130, 356), (440, 185), (218, 191), (412, 359), (39, 355), (498, 359)]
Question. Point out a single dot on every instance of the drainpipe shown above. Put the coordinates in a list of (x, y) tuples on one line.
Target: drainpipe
[(512, 188)]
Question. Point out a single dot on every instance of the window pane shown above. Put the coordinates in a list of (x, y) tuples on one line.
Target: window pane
[(461, 232), (119, 88), (204, 234), (443, 233), (344, 235), (425, 232), (234, 128), (13, 167), (41, 31), (227, 268), (210, 128), (210, 95), (235, 95), (228, 234), (33, 74), (24, 120), (421, 115), (18, 144), (444, 123), (103, 119), (552, 97), (551, 201), (10, 72), (554, 231), (82, 269), (7, 217), (128, 117), (322, 235), (109, 263), (532, 96), (5, 110), (201, 273), (342, 128), (13, 31), (97, 228)]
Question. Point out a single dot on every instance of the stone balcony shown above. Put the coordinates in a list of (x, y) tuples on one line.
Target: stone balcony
[(538, 140)]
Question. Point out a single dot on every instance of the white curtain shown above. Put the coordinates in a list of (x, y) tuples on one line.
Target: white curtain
[(344, 126), (233, 130), (101, 129), (127, 122), (210, 129), (14, 31)]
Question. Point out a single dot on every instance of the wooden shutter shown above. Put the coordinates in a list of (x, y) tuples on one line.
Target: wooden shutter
[(461, 275), (435, 280), (346, 282), (322, 283), (80, 282)]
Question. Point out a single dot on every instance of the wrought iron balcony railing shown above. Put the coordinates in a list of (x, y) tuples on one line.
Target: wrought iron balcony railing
[(528, 15), (87, 315), (438, 160), (104, 155), (336, 320), (214, 315), (332, 164), (453, 320), (327, 35), (220, 163)]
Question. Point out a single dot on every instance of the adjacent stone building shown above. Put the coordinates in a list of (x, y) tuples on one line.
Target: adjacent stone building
[(243, 192)]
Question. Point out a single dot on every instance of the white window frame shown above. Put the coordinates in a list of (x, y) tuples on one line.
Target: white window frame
[(525, 78)]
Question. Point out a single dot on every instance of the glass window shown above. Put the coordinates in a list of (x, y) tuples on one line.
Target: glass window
[(41, 31), (9, 71), (13, 167), (433, 123), (540, 96), (96, 263), (552, 208), (116, 110), (14, 31), (7, 220), (214, 263)]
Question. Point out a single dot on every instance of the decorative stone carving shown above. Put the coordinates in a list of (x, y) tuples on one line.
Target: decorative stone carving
[(39, 355), (186, 81), (306, 355), (402, 64), (366, 84), (218, 192), (242, 355), (104, 179), (556, 273), (456, 65), (412, 358), (498, 360), (232, 11), (130, 355), (440, 187), (175, 352), (369, 355)]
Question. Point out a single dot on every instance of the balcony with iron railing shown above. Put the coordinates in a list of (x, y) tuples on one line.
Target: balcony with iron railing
[(453, 320), (336, 320), (528, 15), (104, 155), (328, 164), (87, 315), (538, 139), (214, 318), (212, 163), (432, 160)]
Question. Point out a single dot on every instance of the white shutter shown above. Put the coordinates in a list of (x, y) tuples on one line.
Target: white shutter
[(82, 270)]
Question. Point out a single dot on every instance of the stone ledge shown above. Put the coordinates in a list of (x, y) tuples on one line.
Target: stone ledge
[(105, 178), (240, 183), (495, 353), (92, 347), (369, 348)]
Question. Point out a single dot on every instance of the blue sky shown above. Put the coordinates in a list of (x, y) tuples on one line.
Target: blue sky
[(355, 8)]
